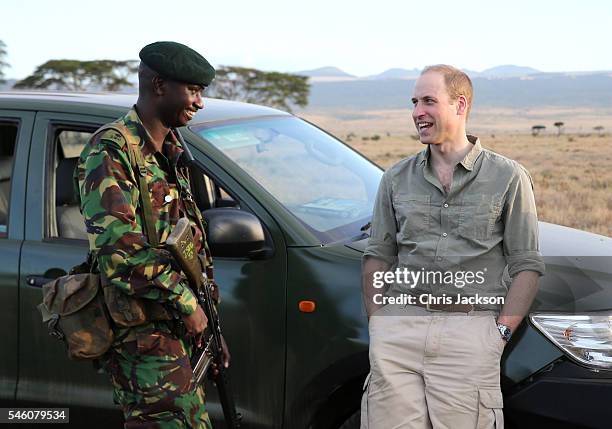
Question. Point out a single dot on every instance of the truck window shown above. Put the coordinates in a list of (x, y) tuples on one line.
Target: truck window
[(209, 194), (67, 221), (8, 139)]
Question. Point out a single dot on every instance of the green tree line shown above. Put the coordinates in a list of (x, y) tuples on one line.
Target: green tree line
[(280, 90), (74, 75)]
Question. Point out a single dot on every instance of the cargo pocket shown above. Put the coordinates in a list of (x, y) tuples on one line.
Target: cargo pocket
[(490, 406), (364, 402)]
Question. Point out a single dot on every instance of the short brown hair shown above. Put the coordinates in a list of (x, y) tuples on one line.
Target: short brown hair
[(457, 83)]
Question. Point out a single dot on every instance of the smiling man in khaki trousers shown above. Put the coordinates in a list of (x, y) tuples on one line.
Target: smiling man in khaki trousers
[(455, 224)]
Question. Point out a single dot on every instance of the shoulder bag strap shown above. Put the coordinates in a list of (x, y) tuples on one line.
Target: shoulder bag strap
[(140, 171), (137, 161)]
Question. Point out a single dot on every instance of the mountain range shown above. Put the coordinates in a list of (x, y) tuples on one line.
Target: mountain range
[(330, 73), (502, 86)]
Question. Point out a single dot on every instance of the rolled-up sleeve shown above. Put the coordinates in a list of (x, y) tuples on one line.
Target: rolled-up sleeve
[(520, 218), (383, 239)]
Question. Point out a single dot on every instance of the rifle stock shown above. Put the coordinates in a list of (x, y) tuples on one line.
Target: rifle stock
[(181, 245)]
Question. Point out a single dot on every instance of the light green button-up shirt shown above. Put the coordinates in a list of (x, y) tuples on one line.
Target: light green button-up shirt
[(485, 225)]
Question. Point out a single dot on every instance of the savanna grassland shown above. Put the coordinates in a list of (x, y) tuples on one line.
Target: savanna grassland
[(572, 172)]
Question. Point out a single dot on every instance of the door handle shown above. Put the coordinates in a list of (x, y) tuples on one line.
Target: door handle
[(38, 281)]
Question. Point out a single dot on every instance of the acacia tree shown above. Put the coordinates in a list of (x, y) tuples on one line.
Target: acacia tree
[(559, 126), (599, 129), (3, 64), (74, 75), (274, 89), (537, 129)]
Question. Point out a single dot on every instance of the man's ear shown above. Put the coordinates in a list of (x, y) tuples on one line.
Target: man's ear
[(462, 105), (159, 85)]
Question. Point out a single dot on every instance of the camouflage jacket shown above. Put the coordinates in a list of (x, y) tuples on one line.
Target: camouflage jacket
[(110, 205)]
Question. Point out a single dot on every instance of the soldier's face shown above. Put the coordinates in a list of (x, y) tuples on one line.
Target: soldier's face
[(180, 103)]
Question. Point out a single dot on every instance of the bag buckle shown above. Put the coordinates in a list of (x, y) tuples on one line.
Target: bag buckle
[(54, 330), (123, 306)]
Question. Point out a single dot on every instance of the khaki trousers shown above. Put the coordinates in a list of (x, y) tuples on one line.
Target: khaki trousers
[(433, 370)]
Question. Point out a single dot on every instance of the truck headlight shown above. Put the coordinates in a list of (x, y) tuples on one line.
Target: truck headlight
[(586, 338)]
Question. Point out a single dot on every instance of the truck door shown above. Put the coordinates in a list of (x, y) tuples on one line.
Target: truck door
[(15, 133), (55, 241), (252, 289), (253, 302)]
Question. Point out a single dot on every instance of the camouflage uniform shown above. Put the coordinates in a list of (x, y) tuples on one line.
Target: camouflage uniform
[(148, 365)]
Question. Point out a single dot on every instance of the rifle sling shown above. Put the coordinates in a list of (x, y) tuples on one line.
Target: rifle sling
[(140, 171), (137, 161)]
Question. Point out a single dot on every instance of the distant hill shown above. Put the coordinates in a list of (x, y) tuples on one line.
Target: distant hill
[(494, 72), (540, 89), (331, 73), (324, 72), (507, 71), (397, 73), (471, 73)]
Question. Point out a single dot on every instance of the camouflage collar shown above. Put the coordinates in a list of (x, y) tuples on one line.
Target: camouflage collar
[(171, 148)]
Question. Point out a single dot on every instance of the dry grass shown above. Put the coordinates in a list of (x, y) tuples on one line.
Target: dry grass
[(572, 173), (572, 177), (484, 121)]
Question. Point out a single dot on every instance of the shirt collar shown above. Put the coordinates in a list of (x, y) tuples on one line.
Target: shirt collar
[(467, 162), (423, 156), (171, 148)]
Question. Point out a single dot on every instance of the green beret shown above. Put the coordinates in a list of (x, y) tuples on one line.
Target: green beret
[(178, 62)]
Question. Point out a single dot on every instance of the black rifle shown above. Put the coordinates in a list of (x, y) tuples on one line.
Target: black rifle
[(181, 245)]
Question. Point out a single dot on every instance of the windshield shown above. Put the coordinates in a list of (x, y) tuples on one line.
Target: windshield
[(325, 184)]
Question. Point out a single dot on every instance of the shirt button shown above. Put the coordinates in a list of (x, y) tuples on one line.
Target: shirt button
[(444, 234), (445, 205), (168, 198)]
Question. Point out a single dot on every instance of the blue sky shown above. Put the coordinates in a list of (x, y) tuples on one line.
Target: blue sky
[(360, 37)]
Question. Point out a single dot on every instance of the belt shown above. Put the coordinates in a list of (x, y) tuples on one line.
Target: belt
[(449, 308)]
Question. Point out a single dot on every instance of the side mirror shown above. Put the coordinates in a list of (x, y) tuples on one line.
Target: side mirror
[(234, 233)]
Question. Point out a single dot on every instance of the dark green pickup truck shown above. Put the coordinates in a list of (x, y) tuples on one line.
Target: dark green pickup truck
[(304, 197)]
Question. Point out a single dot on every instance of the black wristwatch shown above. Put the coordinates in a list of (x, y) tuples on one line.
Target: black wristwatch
[(505, 332)]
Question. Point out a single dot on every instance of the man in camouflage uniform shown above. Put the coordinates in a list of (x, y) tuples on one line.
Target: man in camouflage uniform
[(149, 363)]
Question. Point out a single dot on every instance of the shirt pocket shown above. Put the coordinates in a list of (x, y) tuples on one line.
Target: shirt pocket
[(478, 216), (413, 215), (164, 201), (159, 191)]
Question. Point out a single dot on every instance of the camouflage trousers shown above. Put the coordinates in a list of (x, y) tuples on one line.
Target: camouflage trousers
[(152, 380)]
